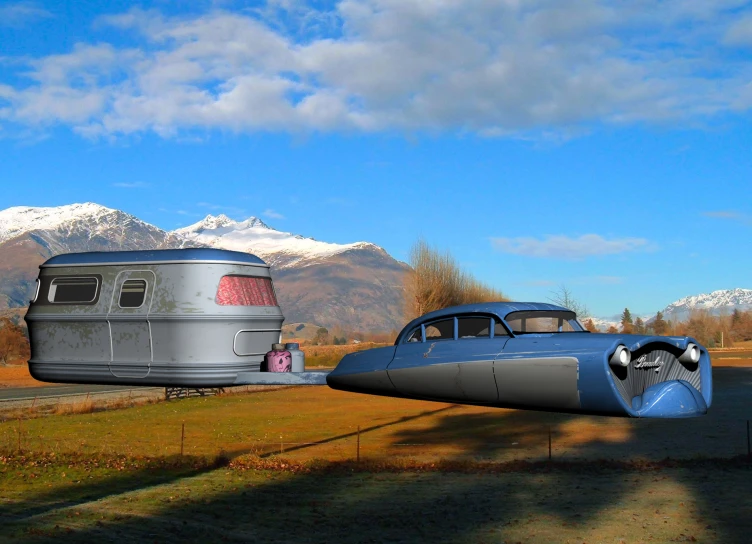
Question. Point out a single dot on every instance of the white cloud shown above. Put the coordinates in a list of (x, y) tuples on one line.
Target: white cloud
[(20, 13), (740, 32), (495, 68), (271, 214), (564, 247), (730, 215)]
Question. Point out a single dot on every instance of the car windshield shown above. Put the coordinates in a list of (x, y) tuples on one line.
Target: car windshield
[(543, 321)]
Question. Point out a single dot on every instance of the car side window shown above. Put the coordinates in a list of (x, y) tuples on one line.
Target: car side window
[(473, 327), (440, 330), (499, 329), (415, 336)]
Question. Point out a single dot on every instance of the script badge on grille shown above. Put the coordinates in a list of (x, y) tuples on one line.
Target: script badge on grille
[(642, 362)]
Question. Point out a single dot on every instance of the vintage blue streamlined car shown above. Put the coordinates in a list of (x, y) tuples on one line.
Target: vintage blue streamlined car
[(533, 356)]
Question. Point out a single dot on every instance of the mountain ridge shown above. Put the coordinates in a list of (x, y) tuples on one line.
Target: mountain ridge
[(356, 286)]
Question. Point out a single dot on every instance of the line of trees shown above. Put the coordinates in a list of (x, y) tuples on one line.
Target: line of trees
[(13, 342), (436, 281), (710, 330)]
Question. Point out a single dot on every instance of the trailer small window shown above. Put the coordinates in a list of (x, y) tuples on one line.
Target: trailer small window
[(245, 291), (132, 293), (73, 290)]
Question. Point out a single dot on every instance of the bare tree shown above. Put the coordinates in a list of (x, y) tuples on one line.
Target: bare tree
[(436, 282), (563, 297)]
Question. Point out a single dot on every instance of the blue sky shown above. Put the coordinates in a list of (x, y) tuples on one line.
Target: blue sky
[(579, 142)]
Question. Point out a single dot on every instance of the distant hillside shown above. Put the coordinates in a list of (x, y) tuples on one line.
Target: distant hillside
[(301, 331), (357, 286)]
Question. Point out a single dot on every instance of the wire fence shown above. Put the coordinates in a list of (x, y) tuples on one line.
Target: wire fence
[(372, 442)]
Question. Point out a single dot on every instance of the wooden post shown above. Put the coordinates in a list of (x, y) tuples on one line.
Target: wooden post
[(549, 442), (182, 438), (358, 448), (33, 403)]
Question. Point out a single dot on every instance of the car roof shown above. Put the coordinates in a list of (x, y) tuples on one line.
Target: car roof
[(154, 256), (501, 309)]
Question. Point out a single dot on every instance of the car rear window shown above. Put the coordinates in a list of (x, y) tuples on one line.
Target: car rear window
[(73, 290), (245, 291)]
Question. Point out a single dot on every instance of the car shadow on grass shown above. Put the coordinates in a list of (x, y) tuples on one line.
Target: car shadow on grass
[(577, 493)]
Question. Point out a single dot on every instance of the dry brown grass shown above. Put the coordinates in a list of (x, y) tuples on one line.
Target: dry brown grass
[(329, 356), (17, 375), (85, 406)]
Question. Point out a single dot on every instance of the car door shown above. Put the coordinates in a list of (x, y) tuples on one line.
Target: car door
[(128, 319), (531, 374), (449, 359)]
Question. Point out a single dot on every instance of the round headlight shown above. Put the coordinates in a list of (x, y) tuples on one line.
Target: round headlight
[(621, 357), (691, 354)]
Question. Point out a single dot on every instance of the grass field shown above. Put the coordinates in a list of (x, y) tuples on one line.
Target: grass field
[(280, 466), (149, 501)]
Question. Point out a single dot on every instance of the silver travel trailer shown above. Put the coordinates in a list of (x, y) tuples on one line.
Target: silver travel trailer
[(176, 317)]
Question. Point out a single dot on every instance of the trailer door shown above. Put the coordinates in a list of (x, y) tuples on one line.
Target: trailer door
[(128, 319)]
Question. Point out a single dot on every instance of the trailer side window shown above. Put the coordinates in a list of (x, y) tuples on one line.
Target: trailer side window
[(73, 290), (245, 291), (132, 293)]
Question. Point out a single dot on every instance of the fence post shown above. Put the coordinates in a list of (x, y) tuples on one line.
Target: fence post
[(358, 448), (549, 442), (182, 438)]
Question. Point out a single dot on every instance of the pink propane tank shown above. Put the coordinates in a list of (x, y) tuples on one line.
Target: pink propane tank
[(278, 359)]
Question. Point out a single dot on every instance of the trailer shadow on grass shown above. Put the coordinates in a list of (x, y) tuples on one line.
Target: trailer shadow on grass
[(75, 480)]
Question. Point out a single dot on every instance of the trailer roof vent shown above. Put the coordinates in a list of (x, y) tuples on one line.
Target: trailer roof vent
[(245, 291)]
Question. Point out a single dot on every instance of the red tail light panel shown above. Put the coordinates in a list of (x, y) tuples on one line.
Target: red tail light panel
[(245, 291)]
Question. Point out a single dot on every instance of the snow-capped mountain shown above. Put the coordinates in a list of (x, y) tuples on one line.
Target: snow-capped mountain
[(82, 227), (725, 300), (357, 286), (279, 249)]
